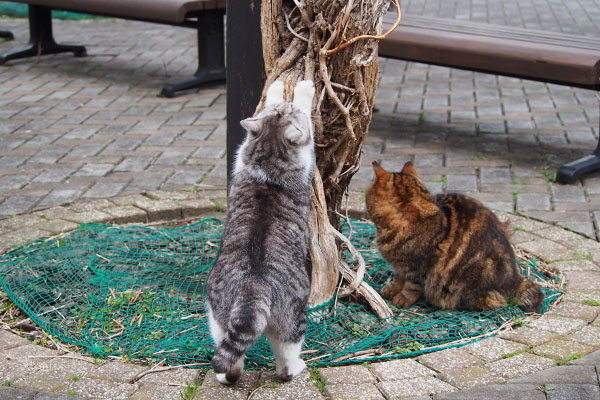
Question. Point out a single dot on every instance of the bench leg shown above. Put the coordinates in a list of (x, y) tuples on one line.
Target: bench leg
[(41, 41), (569, 173), (6, 35), (211, 55)]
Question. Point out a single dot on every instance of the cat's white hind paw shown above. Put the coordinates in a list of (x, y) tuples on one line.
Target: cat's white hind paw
[(296, 367), (222, 379), (303, 95), (275, 93)]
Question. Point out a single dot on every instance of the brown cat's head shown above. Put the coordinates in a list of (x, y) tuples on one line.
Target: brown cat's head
[(393, 193)]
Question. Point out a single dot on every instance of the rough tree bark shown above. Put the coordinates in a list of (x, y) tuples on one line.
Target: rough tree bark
[(334, 44)]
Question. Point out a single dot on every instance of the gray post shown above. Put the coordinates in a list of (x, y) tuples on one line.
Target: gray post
[(245, 70)]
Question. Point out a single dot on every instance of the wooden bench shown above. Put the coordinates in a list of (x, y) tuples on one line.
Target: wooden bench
[(206, 16), (523, 53)]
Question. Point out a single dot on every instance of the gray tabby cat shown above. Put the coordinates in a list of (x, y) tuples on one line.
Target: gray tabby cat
[(261, 279)]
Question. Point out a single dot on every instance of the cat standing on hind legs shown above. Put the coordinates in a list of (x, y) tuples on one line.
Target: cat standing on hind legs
[(449, 248), (260, 282)]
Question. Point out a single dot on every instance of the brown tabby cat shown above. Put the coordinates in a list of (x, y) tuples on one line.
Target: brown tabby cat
[(449, 248)]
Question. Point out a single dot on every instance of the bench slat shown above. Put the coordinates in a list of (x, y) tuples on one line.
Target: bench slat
[(549, 57), (163, 11)]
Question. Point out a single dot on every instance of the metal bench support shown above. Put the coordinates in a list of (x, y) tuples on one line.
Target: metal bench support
[(211, 55), (570, 172), (41, 40), (6, 35), (245, 70)]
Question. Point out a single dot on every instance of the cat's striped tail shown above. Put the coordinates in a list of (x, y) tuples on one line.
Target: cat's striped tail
[(247, 321), (528, 295)]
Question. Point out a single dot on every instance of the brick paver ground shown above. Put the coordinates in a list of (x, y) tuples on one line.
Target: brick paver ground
[(92, 134), (73, 128)]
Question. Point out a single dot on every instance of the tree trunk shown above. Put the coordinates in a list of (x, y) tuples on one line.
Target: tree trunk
[(317, 40)]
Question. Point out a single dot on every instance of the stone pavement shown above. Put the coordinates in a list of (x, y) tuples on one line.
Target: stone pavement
[(87, 139), (522, 362)]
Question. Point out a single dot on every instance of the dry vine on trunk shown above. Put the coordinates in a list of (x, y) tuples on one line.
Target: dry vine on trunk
[(334, 44)]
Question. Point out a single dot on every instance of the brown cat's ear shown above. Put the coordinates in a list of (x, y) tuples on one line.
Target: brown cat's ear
[(409, 169), (252, 125), (379, 171)]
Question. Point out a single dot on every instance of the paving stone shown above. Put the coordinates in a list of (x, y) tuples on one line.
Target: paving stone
[(547, 250), (422, 386), (298, 388), (533, 201), (576, 265), (124, 143), (98, 388), (504, 392), (568, 193), (104, 189), (560, 349), (466, 378), (461, 183), (223, 393), (17, 205), (53, 175), (364, 391), (576, 310), (58, 197), (116, 371), (448, 360), (185, 177), (352, 375), (584, 228), (589, 359), (9, 393), (249, 380), (519, 365), (571, 392), (570, 374), (90, 216), (589, 280), (209, 152), (180, 376), (94, 170), (495, 175), (9, 340), (126, 214), (494, 348), (133, 164), (429, 160), (152, 392), (172, 158), (556, 324), (14, 181), (400, 369)]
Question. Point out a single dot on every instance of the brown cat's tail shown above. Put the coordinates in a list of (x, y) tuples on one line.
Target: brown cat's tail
[(528, 295)]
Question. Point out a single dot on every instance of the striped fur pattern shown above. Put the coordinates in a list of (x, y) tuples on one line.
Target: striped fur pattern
[(450, 249), (261, 280)]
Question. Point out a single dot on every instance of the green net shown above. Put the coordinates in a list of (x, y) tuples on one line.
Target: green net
[(11, 9), (136, 292)]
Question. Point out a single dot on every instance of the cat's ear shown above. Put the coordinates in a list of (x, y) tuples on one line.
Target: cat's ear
[(303, 96), (380, 173), (409, 169), (252, 125), (274, 94)]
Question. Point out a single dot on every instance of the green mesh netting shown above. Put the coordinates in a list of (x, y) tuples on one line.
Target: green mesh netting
[(136, 292), (12, 9)]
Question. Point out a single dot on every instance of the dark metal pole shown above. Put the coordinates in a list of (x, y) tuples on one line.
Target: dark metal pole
[(245, 70)]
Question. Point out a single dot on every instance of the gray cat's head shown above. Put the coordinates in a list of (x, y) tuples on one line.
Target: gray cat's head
[(279, 146)]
